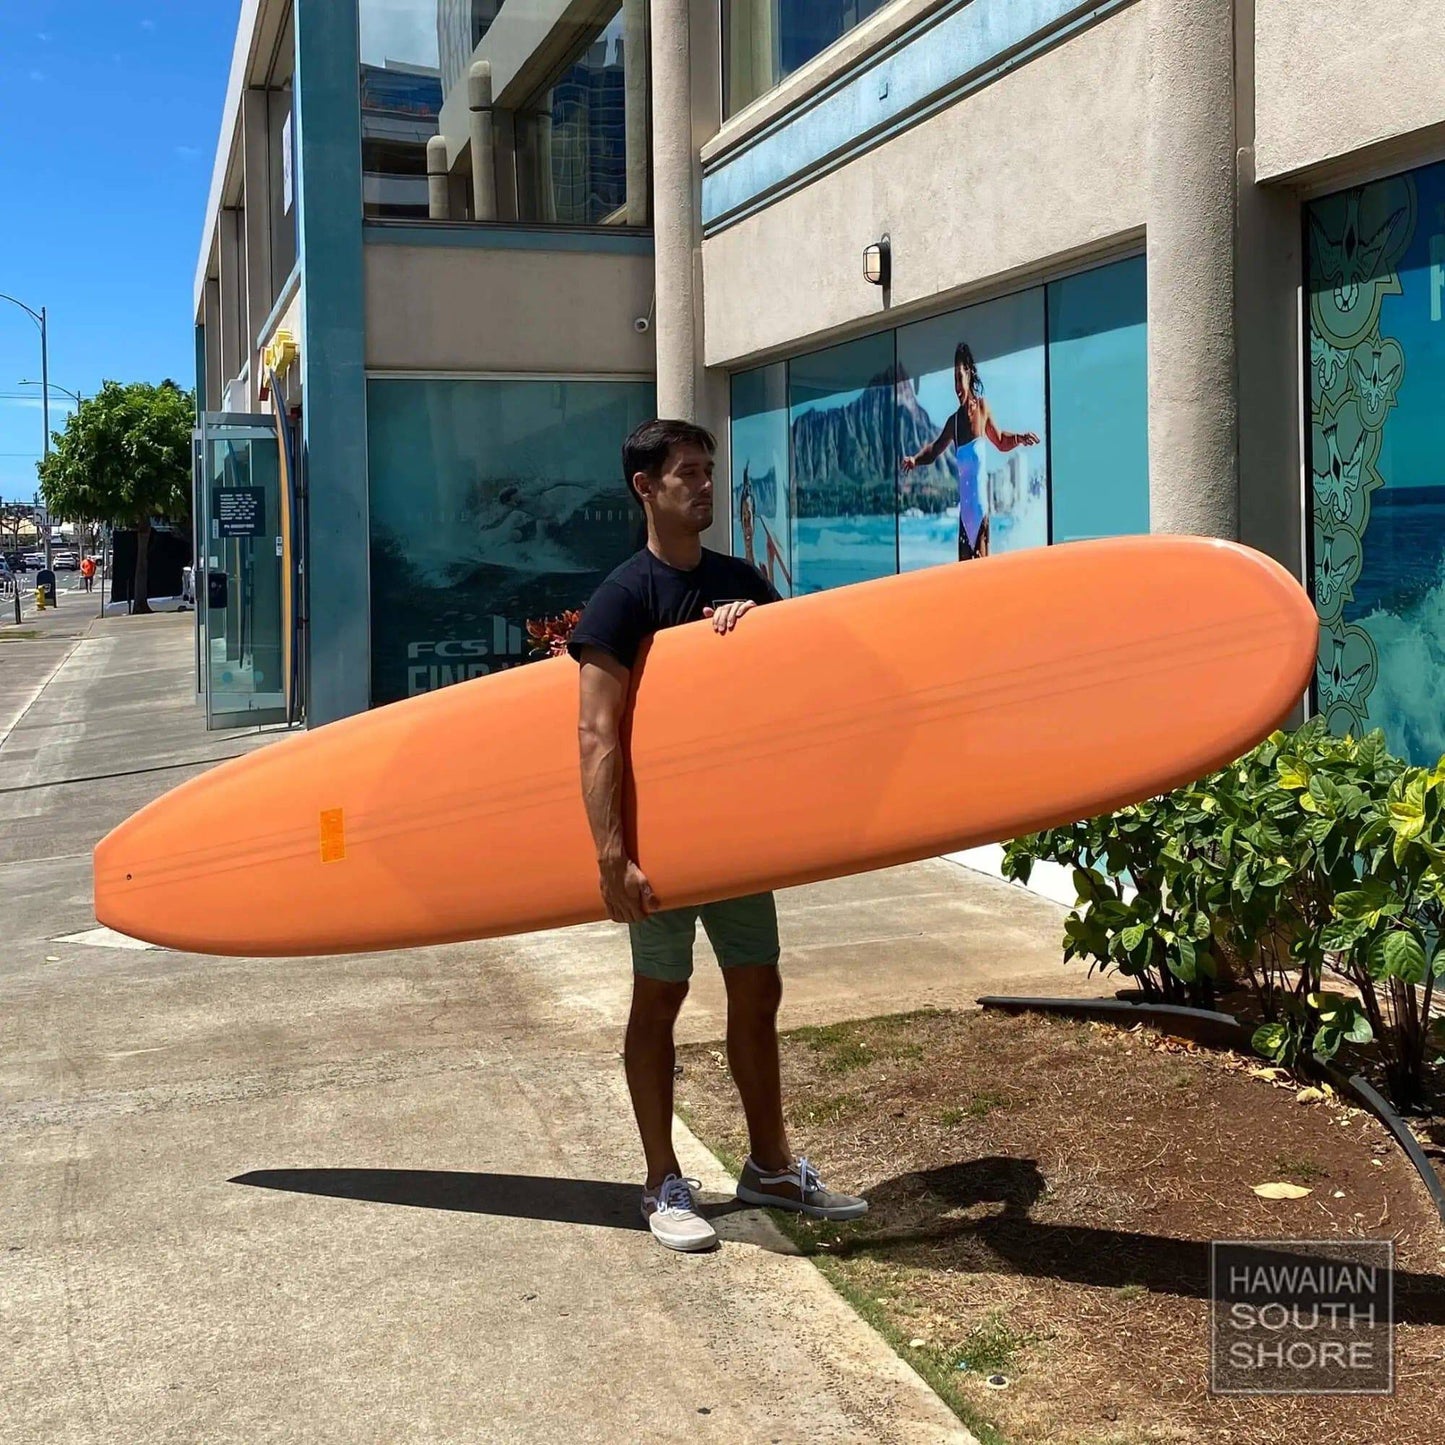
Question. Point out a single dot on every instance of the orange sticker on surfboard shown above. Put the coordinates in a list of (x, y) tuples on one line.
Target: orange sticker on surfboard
[(333, 835)]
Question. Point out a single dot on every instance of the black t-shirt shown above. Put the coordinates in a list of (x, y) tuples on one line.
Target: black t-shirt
[(644, 595)]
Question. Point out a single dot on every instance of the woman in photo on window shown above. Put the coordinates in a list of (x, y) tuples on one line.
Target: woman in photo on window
[(966, 431)]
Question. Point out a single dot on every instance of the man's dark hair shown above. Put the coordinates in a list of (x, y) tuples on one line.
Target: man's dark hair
[(646, 450)]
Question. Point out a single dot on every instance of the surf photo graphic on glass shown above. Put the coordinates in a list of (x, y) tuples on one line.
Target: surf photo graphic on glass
[(762, 491), (973, 470), (845, 523), (493, 504)]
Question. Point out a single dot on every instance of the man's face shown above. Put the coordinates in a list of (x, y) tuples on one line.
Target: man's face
[(680, 496)]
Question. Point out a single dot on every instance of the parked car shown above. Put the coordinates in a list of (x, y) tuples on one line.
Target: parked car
[(32, 561)]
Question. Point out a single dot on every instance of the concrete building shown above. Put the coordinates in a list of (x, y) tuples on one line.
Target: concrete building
[(1131, 264)]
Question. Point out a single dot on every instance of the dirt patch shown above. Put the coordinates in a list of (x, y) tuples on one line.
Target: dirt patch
[(1043, 1194)]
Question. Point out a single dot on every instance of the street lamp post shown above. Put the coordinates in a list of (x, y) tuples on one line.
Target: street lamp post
[(38, 317), (47, 386), (75, 396)]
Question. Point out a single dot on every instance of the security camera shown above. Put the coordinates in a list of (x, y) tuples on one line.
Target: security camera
[(642, 325)]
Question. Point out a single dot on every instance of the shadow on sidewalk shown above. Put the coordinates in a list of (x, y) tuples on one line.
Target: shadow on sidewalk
[(911, 1218), (604, 1203)]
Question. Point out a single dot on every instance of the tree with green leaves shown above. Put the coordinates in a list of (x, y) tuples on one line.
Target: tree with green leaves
[(12, 514), (124, 459)]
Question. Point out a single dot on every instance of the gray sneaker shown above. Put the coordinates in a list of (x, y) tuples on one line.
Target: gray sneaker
[(798, 1189), (672, 1216)]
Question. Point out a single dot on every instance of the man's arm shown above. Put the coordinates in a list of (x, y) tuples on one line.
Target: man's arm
[(625, 889)]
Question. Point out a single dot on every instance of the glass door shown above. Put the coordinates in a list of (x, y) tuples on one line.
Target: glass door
[(239, 572)]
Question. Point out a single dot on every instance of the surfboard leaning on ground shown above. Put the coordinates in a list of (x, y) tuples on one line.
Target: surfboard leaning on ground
[(832, 734)]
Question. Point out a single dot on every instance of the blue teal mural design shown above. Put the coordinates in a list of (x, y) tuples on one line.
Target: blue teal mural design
[(1376, 379)]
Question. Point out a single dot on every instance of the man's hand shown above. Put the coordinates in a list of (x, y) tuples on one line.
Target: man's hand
[(725, 618), (625, 890)]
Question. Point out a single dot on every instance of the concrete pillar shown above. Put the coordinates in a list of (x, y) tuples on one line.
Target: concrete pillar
[(283, 215), (506, 141), (1190, 169), (333, 359), (634, 87), (542, 160), (1269, 262), (674, 211), (234, 344), (484, 166), (438, 182), (211, 317), (763, 46), (256, 161)]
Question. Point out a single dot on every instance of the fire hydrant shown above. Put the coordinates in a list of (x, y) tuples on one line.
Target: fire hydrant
[(40, 599)]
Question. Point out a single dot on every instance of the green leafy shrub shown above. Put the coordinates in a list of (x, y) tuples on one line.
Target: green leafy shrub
[(1313, 856)]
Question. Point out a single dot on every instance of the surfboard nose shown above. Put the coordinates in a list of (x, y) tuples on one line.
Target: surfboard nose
[(118, 902)]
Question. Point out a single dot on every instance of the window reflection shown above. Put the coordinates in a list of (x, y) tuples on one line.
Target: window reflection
[(505, 110), (767, 40)]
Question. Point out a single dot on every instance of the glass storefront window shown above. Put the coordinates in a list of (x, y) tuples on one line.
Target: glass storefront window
[(1376, 432), (241, 593), (1008, 424), (971, 432), (843, 445), (765, 41), (565, 140), (1099, 403), (493, 503), (762, 506)]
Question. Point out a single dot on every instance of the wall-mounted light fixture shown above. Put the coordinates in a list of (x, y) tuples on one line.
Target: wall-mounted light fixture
[(877, 263)]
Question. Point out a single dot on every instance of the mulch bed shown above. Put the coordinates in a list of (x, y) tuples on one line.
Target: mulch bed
[(1043, 1194)]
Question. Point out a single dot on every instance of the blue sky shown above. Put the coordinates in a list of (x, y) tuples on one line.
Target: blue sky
[(109, 116)]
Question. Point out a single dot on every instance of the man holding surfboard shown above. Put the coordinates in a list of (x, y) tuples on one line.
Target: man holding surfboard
[(668, 466)]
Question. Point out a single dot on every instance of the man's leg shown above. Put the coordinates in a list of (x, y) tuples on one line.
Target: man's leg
[(661, 966), (650, 1056), (754, 993), (744, 934)]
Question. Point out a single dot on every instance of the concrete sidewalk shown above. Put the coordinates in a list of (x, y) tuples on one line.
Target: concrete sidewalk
[(392, 1197)]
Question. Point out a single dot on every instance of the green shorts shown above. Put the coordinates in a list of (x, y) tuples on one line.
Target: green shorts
[(743, 932)]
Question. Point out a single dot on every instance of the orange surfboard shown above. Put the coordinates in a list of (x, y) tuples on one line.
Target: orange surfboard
[(828, 735)]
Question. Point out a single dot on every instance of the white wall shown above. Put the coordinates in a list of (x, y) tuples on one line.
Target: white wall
[(1335, 78), (1044, 164), (442, 308)]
